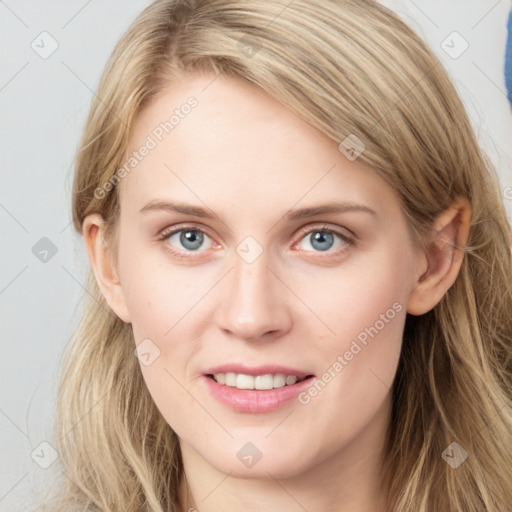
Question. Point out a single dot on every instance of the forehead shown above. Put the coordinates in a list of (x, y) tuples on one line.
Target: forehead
[(218, 138)]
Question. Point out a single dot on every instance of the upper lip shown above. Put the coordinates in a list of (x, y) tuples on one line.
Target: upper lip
[(257, 370)]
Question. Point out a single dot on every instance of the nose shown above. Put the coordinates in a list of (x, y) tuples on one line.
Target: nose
[(252, 304)]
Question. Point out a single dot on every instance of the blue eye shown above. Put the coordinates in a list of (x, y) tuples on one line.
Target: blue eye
[(323, 239), (189, 239)]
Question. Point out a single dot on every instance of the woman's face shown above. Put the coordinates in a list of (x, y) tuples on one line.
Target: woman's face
[(249, 245)]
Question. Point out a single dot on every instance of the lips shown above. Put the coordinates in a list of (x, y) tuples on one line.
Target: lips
[(256, 389)]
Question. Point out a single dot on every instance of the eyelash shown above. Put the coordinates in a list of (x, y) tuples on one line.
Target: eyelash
[(349, 240)]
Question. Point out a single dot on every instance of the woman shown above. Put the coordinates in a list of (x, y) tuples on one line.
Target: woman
[(300, 273)]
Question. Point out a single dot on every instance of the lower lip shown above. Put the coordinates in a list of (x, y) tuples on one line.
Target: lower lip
[(252, 400)]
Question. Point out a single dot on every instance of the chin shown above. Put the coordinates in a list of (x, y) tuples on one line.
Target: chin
[(281, 464)]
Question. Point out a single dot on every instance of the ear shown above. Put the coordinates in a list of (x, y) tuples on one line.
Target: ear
[(445, 251), (101, 259)]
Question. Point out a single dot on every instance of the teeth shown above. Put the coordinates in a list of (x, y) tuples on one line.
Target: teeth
[(230, 379), (263, 382), (244, 381), (260, 382), (291, 379), (279, 380)]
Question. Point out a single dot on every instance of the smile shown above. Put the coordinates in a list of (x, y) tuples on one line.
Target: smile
[(259, 389), (258, 382)]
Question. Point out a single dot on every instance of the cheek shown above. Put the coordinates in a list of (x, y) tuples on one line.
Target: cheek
[(160, 294), (168, 305), (368, 290), (164, 303), (362, 307)]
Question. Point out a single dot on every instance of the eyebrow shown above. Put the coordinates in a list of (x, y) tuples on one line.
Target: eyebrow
[(292, 214)]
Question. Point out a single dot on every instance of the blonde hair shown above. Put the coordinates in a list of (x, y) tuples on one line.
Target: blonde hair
[(347, 67)]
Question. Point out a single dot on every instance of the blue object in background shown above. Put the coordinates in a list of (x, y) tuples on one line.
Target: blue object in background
[(508, 59)]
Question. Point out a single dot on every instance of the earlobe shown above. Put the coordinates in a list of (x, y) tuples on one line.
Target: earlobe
[(101, 260), (445, 252)]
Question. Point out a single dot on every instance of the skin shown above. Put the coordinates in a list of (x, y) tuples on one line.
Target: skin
[(250, 160)]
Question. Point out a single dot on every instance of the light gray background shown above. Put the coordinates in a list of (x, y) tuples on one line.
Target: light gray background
[(44, 102)]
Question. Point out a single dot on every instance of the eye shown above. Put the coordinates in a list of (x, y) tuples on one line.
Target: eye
[(324, 239), (188, 239)]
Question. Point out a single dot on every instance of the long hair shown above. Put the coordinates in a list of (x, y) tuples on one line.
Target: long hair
[(350, 68)]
